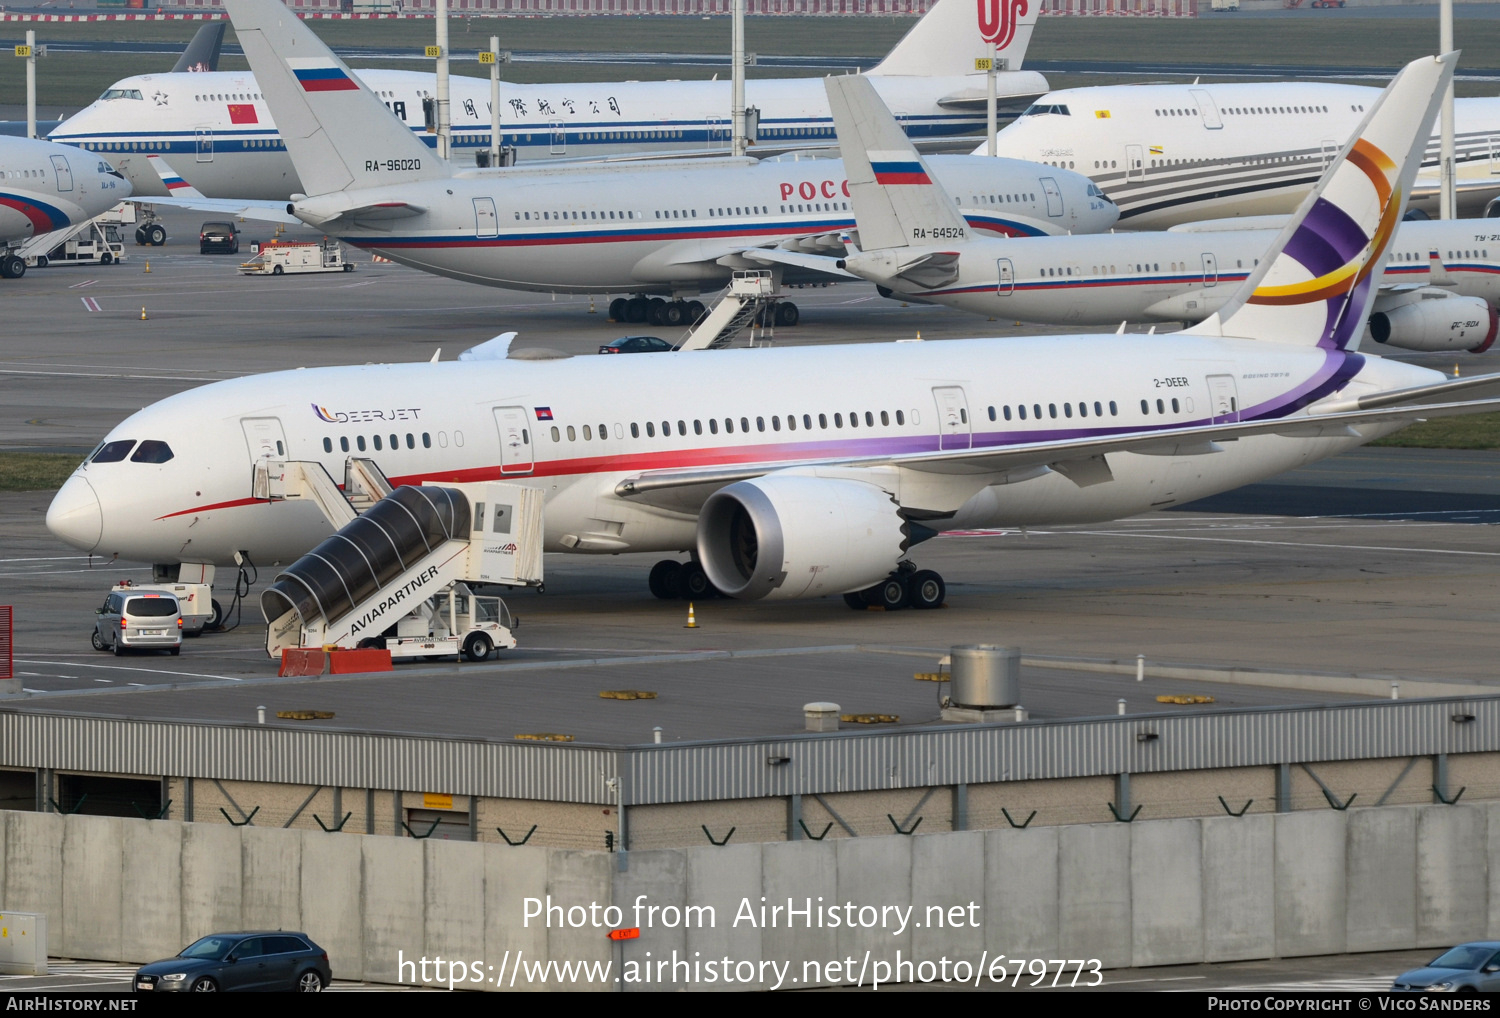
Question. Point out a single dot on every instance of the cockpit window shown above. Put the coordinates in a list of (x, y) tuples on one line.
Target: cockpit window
[(120, 93), (113, 452), (1037, 109), (1094, 192), (152, 451)]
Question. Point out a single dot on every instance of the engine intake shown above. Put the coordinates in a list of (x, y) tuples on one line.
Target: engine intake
[(1450, 323), (787, 536)]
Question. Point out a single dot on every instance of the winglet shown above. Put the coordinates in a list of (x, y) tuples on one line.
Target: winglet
[(176, 186), (1316, 284)]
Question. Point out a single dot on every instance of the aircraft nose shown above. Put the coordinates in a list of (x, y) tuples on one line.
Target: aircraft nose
[(75, 515)]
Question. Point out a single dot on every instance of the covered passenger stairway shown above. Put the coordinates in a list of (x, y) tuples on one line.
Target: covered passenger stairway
[(395, 551)]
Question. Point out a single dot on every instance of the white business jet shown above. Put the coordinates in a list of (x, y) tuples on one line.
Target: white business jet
[(1171, 154), (1438, 290), (46, 187), (669, 228), (219, 133), (801, 472)]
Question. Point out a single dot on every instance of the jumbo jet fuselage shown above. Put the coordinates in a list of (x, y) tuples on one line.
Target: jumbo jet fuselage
[(579, 428), (1172, 154), (216, 131)]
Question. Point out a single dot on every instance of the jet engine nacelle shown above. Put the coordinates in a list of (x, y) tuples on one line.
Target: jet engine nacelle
[(1450, 323), (794, 535)]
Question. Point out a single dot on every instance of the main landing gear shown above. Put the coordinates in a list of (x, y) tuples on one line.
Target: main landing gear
[(907, 587), (671, 580)]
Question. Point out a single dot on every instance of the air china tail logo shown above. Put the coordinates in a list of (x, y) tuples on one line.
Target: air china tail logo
[(998, 20), (322, 413)]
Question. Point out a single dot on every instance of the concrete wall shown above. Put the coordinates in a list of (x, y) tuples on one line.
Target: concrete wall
[(783, 914)]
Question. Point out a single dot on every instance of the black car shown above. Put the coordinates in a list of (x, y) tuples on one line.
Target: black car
[(219, 237), (637, 344), (266, 960)]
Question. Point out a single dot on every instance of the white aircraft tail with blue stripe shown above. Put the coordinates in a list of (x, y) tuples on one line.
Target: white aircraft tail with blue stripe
[(1316, 284), (337, 132)]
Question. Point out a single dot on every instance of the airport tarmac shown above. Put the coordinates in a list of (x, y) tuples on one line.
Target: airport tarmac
[(1381, 563)]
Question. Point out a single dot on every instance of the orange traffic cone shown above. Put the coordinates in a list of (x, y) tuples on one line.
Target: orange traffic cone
[(692, 622), (143, 314)]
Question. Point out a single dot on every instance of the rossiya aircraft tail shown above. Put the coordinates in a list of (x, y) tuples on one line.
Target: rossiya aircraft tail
[(955, 33), (896, 203), (1315, 285), (337, 132)]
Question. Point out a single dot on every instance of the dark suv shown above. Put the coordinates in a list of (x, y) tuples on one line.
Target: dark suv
[(219, 237), (265, 960)]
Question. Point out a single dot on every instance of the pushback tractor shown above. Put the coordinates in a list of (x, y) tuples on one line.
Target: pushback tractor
[(395, 575)]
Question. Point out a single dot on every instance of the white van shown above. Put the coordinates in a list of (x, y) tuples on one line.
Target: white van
[(133, 619)]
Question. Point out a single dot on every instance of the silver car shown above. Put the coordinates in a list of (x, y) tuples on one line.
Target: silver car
[(148, 620), (1465, 969)]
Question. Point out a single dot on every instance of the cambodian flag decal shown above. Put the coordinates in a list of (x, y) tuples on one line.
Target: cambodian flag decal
[(899, 172), (318, 75), (544, 413)]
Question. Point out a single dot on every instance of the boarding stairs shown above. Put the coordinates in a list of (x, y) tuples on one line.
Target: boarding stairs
[(388, 559), (751, 298), (45, 243)]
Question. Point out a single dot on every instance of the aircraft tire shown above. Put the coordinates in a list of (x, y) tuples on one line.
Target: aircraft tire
[(695, 312), (12, 267), (635, 310), (855, 599), (140, 236), (787, 314), (656, 312), (618, 309), (927, 589), (893, 593), (663, 579), (156, 235), (694, 583), (674, 313)]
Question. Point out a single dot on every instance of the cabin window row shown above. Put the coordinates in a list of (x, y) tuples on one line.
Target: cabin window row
[(817, 206), (1006, 199), (1068, 409), (572, 216), (380, 443), (729, 425)]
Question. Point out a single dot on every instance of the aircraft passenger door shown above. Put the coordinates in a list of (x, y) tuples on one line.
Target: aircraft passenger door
[(954, 429), (1223, 399), (1210, 269), (559, 138), (1135, 162), (205, 138), (486, 223), (1494, 155), (64, 173), (1054, 196), (1007, 277), (1208, 109), (516, 457), (264, 437), (1330, 151), (718, 132)]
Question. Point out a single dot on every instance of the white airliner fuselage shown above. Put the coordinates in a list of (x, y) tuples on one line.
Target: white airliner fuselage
[(579, 427), (668, 228), (215, 130), (1176, 276), (46, 187), (1171, 154)]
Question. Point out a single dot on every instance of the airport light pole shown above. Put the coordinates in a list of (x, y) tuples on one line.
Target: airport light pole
[(444, 129), (737, 102), (494, 100), (1447, 205), (992, 124), (30, 83)]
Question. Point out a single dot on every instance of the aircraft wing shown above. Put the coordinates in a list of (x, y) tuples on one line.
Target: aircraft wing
[(1084, 460), (265, 211)]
